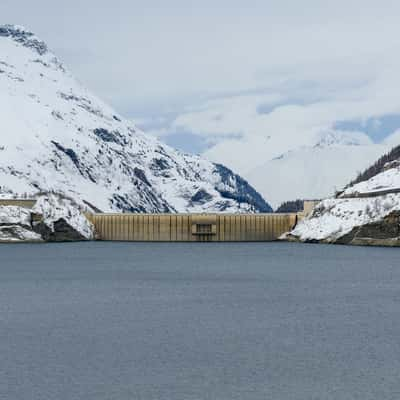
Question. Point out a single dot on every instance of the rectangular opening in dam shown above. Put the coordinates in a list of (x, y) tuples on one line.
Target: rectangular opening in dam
[(192, 227)]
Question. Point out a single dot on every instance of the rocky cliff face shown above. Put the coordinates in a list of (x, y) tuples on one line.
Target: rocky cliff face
[(57, 137)]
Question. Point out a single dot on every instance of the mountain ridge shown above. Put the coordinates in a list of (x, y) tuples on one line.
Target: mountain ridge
[(59, 137)]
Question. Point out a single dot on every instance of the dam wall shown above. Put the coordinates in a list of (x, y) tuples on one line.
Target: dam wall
[(192, 227), (24, 203)]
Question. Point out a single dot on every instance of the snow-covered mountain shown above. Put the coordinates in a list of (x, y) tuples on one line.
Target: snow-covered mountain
[(56, 136), (317, 168), (367, 212)]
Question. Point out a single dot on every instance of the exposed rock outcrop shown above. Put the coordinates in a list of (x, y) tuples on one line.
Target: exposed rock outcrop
[(62, 232), (53, 219), (385, 232)]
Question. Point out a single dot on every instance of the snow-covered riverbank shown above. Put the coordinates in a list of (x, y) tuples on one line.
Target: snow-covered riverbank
[(53, 218), (357, 220)]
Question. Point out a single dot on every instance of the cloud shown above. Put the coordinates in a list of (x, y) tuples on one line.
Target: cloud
[(153, 55), (300, 146), (249, 129)]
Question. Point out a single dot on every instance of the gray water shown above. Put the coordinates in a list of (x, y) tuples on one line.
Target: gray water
[(199, 321)]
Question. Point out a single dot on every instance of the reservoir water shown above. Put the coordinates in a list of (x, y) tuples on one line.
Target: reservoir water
[(222, 321)]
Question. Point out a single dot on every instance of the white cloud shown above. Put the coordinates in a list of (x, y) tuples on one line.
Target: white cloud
[(152, 54), (261, 136), (275, 149), (394, 139)]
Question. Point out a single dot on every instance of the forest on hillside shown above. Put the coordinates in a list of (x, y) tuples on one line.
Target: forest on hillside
[(378, 167), (291, 206)]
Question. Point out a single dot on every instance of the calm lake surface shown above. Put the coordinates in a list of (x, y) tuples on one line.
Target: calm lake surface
[(199, 321)]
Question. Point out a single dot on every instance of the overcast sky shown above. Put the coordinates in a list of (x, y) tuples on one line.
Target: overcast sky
[(172, 64)]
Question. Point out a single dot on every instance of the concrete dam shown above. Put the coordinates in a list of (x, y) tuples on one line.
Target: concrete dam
[(192, 227), (186, 227)]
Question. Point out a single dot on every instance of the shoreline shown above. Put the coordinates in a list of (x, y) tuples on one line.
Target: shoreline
[(369, 242)]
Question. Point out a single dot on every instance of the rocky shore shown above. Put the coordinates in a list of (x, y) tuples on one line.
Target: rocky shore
[(385, 232), (52, 219), (355, 221)]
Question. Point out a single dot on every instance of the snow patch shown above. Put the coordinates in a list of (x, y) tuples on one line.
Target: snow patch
[(386, 180), (15, 225), (12, 215)]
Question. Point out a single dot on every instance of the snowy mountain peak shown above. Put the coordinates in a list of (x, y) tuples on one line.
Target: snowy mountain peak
[(24, 37), (338, 138), (57, 137)]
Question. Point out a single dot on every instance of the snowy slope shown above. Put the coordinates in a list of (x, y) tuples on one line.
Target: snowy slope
[(386, 180), (335, 217), (56, 136)]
